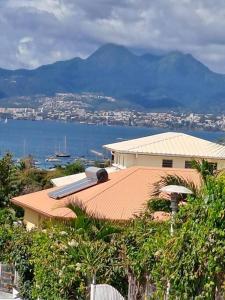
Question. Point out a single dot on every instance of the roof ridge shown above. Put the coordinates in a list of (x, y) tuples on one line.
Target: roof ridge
[(165, 139)]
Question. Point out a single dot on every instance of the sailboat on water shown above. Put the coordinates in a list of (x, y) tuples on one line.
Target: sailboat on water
[(63, 153)]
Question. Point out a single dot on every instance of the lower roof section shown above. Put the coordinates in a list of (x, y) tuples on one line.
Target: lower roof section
[(122, 197)]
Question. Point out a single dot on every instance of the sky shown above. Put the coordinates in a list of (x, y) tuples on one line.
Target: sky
[(37, 32)]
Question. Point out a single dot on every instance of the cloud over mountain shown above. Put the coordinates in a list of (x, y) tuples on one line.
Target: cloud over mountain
[(39, 32), (156, 82)]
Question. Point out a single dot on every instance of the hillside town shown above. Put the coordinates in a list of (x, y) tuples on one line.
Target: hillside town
[(87, 108)]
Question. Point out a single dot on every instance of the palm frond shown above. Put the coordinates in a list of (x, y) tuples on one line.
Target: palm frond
[(174, 180), (204, 168), (91, 223), (77, 207)]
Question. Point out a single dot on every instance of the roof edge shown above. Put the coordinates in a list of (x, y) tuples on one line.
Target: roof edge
[(166, 154), (23, 205)]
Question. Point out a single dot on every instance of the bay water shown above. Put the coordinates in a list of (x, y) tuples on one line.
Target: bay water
[(42, 139)]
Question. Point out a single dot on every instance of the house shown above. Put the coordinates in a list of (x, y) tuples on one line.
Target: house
[(121, 197), (167, 150)]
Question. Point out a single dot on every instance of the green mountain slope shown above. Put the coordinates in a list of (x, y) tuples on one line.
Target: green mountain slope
[(175, 80)]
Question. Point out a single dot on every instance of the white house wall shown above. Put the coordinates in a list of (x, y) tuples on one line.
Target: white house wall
[(221, 164), (128, 160)]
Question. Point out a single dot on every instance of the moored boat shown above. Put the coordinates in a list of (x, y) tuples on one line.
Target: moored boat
[(52, 159), (63, 153)]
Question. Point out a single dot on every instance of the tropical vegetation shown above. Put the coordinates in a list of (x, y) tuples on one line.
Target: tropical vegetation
[(139, 258)]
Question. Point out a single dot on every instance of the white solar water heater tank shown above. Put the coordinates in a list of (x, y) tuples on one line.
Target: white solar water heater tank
[(101, 175), (93, 177)]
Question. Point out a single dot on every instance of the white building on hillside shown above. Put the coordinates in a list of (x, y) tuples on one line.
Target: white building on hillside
[(170, 149)]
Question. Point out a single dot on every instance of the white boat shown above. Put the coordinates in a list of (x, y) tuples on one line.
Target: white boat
[(52, 159), (37, 162)]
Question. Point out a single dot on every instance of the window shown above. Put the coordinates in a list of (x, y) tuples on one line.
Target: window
[(167, 163), (188, 164)]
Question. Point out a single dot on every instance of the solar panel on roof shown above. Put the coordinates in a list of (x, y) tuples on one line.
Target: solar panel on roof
[(93, 176), (73, 188)]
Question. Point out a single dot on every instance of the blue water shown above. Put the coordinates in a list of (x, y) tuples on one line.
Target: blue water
[(44, 138)]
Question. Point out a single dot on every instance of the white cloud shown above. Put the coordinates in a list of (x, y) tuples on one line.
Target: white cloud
[(56, 7), (39, 32), (26, 39)]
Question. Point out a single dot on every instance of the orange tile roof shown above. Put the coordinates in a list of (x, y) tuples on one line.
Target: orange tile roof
[(120, 198)]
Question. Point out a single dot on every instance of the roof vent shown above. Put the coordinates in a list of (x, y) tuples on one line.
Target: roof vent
[(93, 176)]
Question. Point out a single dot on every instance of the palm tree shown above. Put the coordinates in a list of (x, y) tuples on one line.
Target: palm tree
[(174, 180), (96, 234), (90, 224), (204, 168)]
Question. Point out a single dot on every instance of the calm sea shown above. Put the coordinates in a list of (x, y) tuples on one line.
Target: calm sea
[(43, 138)]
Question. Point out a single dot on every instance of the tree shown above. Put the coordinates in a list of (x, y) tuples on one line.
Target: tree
[(194, 258), (205, 170), (9, 185), (26, 163), (91, 225), (74, 168), (143, 240), (175, 180)]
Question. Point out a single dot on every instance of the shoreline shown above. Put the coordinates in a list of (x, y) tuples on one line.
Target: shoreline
[(169, 128), (44, 138)]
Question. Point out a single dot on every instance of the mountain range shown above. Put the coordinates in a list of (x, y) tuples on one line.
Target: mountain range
[(154, 82)]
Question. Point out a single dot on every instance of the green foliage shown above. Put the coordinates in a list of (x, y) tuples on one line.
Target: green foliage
[(25, 178), (204, 168), (26, 163), (159, 204), (175, 180), (102, 164), (33, 180), (57, 275), (64, 263), (91, 225), (194, 258), (142, 244), (9, 185), (7, 216), (59, 260), (21, 256), (15, 244), (74, 168)]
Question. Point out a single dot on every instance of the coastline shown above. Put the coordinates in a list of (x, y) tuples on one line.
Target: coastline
[(166, 128), (42, 139)]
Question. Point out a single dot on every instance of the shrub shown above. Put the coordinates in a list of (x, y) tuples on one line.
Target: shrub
[(7, 216), (74, 168), (159, 204)]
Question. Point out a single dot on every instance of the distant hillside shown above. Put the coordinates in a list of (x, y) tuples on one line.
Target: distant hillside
[(171, 81)]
